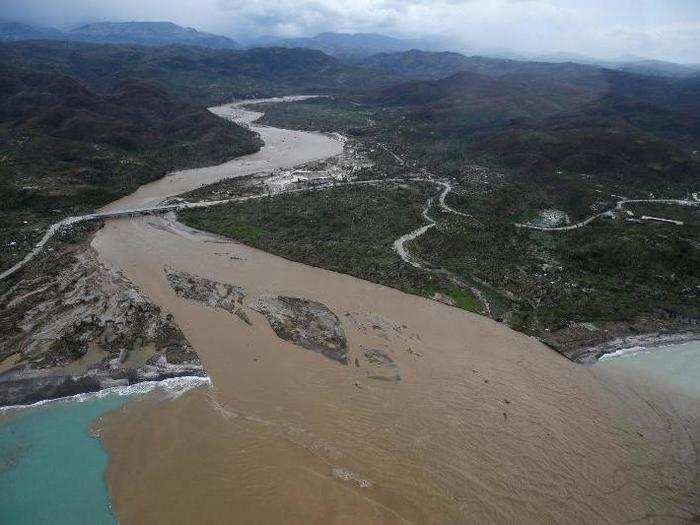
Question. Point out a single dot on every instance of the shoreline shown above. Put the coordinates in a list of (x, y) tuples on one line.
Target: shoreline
[(246, 114), (442, 443), (589, 355), (178, 384), (23, 384), (284, 421), (26, 387)]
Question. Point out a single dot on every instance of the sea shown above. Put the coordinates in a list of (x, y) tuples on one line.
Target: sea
[(674, 367), (52, 468)]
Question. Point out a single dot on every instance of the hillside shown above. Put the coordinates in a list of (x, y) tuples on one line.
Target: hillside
[(489, 95), (196, 74), (148, 33), (67, 149), (353, 45), (426, 65), (11, 31), (533, 153), (537, 142), (143, 33)]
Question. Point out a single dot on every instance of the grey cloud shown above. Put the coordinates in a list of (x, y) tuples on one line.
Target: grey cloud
[(656, 28)]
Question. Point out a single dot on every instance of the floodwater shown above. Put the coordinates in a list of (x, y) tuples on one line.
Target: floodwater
[(51, 464), (485, 425), (283, 148)]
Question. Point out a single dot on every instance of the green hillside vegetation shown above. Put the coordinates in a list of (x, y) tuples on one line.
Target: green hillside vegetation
[(66, 149), (520, 141), (198, 75), (510, 158)]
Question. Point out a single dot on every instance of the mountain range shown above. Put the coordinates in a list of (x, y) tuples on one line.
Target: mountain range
[(194, 74), (143, 33), (354, 47)]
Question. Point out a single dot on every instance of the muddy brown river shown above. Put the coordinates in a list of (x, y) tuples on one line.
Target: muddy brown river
[(486, 424)]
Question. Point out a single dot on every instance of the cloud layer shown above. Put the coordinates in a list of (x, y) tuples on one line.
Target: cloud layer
[(667, 29)]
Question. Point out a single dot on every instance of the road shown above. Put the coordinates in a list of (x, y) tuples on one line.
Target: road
[(618, 206)]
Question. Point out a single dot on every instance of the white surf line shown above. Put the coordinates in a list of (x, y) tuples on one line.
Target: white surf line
[(175, 386), (618, 206)]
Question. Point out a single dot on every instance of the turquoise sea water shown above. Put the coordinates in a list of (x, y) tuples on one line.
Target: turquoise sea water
[(677, 367), (51, 469)]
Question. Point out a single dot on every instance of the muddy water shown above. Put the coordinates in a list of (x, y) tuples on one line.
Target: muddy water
[(485, 425), (283, 148)]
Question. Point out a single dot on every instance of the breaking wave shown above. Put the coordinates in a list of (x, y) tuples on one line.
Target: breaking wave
[(174, 387)]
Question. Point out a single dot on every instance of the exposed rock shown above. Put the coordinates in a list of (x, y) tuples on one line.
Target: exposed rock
[(243, 317), (382, 367), (305, 323), (586, 342), (589, 355), (24, 385), (211, 293), (69, 325)]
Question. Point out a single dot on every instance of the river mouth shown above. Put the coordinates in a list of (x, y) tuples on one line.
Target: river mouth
[(51, 461), (484, 423), (420, 413)]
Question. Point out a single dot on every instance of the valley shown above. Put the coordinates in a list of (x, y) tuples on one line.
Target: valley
[(371, 303), (554, 281), (352, 441)]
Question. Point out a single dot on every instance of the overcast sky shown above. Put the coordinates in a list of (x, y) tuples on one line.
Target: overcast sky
[(667, 29)]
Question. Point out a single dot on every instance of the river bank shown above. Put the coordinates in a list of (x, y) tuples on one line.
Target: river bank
[(416, 411), (70, 326), (484, 423)]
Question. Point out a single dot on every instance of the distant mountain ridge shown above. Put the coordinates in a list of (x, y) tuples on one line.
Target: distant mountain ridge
[(196, 74), (143, 33), (149, 33), (428, 65), (353, 45), (11, 31), (629, 63), (369, 49)]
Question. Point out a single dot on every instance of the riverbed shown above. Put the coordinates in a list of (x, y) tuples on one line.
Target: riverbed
[(485, 424)]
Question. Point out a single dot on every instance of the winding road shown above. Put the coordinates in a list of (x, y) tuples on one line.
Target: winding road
[(484, 425), (130, 212), (618, 206)]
